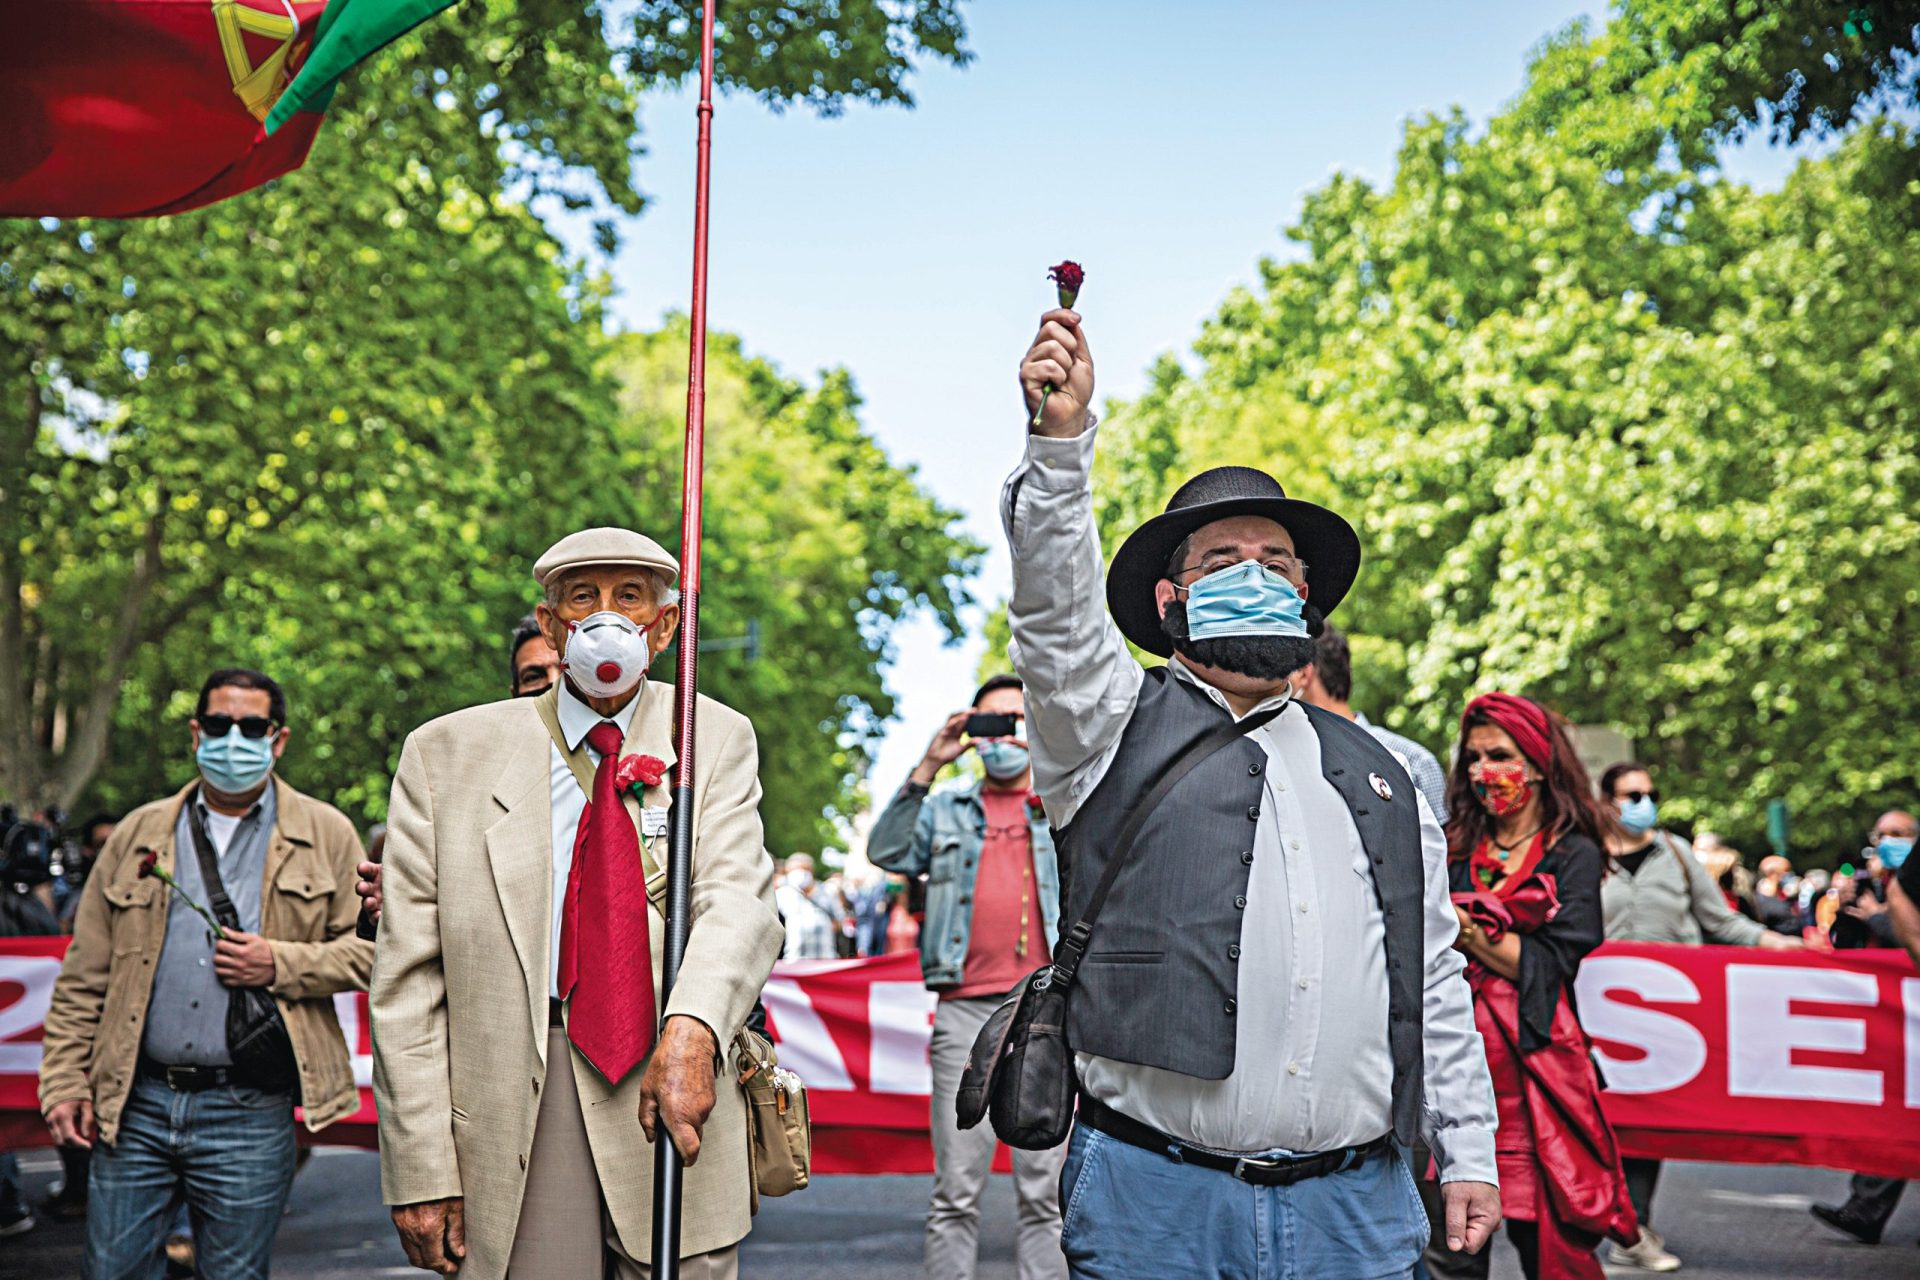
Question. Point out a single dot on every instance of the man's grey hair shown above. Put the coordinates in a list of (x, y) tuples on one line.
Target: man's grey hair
[(664, 593)]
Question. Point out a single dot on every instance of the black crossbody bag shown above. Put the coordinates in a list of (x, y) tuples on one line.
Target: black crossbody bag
[(257, 1038), (1020, 1070)]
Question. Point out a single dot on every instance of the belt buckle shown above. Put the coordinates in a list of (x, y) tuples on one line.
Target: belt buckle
[(1265, 1164), (179, 1078)]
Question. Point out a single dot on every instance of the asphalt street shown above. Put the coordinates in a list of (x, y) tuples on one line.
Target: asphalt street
[(1735, 1222)]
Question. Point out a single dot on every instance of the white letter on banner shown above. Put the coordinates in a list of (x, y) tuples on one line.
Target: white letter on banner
[(902, 1034), (1675, 1050), (805, 1046), (1763, 1031), (1910, 1002), (36, 974)]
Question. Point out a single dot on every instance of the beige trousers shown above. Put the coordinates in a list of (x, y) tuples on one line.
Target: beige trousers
[(565, 1232)]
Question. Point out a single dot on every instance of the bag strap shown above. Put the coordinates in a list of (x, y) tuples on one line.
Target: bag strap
[(547, 704), (1073, 945), (217, 898)]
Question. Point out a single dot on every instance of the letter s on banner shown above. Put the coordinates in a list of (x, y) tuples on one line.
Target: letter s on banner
[(1763, 1031), (1675, 1050)]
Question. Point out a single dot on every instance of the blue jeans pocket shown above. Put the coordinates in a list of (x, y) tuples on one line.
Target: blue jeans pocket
[(256, 1099), (1083, 1152)]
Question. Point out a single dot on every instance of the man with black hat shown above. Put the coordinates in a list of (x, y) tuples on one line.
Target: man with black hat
[(1270, 1010)]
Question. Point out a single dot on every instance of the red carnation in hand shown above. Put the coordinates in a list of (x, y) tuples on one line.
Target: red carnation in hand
[(635, 773), (1034, 806), (1068, 276), (149, 860)]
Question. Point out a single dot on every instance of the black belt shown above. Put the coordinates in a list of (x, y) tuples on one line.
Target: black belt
[(1273, 1171), (189, 1079)]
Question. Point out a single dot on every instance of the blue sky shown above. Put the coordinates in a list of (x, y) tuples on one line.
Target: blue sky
[(1162, 146)]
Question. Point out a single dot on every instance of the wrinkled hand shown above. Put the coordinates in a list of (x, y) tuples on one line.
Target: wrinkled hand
[(368, 887), (243, 960), (1059, 356), (677, 1089), (71, 1123), (1472, 1213), (434, 1233), (1771, 941)]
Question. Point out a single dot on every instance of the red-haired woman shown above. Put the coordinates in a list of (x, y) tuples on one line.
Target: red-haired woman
[(1524, 841)]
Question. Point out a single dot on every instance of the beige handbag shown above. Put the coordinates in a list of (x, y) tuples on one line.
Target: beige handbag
[(779, 1135)]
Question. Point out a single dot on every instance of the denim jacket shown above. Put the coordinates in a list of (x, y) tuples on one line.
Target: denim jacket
[(940, 836)]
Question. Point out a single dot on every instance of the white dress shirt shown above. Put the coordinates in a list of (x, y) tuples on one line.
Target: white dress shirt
[(1312, 1069), (569, 802)]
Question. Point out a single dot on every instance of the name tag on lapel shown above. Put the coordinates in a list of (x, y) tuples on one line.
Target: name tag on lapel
[(653, 822)]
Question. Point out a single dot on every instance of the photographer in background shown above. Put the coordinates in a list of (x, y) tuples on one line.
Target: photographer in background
[(26, 911)]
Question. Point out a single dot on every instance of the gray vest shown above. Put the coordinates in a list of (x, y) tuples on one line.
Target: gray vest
[(1159, 978)]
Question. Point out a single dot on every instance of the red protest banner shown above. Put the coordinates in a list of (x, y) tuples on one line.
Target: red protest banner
[(1710, 1053)]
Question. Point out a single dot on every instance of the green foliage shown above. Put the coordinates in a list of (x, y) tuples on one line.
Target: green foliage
[(324, 429), (1636, 440)]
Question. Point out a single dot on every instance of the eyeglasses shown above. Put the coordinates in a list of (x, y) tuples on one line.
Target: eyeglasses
[(1635, 797), (1287, 566), (216, 725)]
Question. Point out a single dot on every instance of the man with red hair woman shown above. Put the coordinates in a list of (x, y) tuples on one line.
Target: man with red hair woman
[(1524, 842)]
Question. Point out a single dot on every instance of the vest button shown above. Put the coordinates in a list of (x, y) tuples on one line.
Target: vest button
[(1253, 771), (1246, 858), (1240, 902), (1253, 812), (1228, 1006), (1233, 951)]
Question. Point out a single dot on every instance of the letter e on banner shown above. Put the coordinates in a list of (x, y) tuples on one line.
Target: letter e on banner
[(1910, 998), (1673, 1049), (899, 1013), (1763, 1032)]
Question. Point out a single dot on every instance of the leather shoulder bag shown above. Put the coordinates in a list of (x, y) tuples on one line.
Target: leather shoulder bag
[(257, 1038), (1020, 1070)]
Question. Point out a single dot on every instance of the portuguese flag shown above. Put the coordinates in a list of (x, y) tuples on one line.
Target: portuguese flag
[(130, 108)]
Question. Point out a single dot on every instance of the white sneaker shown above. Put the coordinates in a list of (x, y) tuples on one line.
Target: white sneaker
[(18, 1227), (1649, 1255)]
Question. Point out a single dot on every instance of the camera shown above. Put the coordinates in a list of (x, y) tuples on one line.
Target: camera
[(988, 724), (26, 850)]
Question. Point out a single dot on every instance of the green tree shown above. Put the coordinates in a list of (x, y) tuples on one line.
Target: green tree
[(1616, 432), (322, 428)]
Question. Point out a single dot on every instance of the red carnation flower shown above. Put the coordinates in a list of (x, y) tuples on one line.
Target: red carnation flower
[(1068, 276), (1033, 797), (149, 860), (635, 773)]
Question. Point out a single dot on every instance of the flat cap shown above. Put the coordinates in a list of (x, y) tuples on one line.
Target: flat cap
[(605, 545)]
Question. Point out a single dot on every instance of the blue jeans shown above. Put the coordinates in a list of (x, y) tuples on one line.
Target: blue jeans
[(228, 1152), (1131, 1214)]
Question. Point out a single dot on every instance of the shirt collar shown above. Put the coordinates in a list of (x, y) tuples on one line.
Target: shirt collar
[(1182, 671), (261, 808), (576, 717)]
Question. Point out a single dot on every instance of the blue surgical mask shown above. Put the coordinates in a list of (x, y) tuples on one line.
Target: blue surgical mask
[(1893, 851), (1247, 600), (235, 763), (1003, 761), (1639, 816)]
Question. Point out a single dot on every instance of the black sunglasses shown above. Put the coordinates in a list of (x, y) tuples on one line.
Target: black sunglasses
[(216, 725), (1635, 797)]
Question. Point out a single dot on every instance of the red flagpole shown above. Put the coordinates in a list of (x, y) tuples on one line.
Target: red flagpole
[(667, 1166)]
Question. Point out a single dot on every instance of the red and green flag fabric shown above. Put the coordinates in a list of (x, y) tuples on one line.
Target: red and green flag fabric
[(131, 108)]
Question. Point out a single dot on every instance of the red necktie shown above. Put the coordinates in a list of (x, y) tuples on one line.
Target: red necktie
[(611, 1015)]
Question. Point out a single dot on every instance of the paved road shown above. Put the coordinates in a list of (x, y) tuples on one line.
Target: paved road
[(1730, 1222)]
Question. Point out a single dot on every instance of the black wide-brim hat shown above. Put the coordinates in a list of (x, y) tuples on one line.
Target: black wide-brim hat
[(1325, 541)]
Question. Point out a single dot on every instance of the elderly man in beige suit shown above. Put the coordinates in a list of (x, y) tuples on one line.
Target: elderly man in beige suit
[(505, 1148)]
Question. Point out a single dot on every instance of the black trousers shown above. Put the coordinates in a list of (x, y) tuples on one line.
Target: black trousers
[(1642, 1177)]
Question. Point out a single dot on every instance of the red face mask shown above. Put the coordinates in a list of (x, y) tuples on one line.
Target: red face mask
[(1502, 786)]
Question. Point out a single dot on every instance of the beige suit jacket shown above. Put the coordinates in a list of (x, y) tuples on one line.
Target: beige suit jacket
[(460, 976)]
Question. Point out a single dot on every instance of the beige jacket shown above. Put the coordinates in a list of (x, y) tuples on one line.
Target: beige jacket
[(461, 978), (307, 912)]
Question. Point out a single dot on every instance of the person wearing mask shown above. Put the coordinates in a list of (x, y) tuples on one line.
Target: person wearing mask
[(811, 931), (533, 664), (1525, 849), (1657, 891), (1773, 896), (515, 926), (1269, 1011), (1327, 683), (1864, 920), (136, 1061), (993, 908)]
